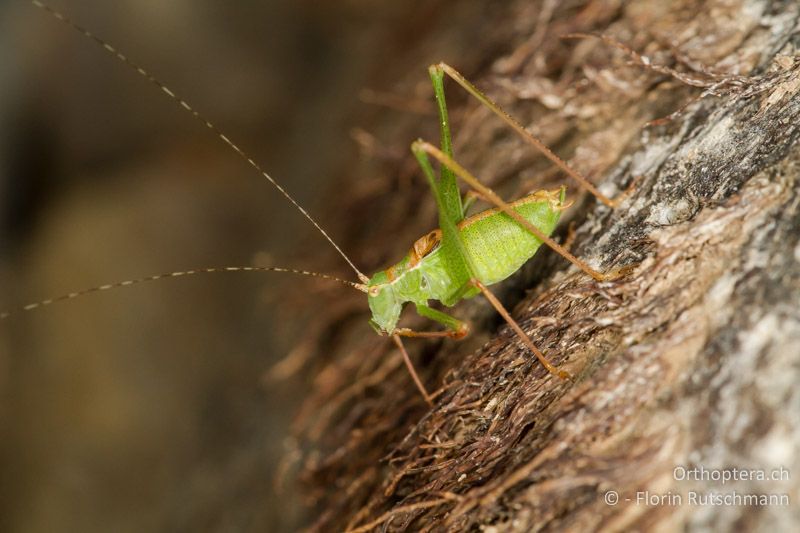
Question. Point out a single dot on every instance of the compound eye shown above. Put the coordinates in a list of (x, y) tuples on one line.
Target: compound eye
[(375, 290)]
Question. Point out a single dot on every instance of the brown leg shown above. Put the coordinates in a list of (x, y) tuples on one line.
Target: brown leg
[(570, 239), (518, 330), (520, 129), (492, 197), (449, 333), (411, 370)]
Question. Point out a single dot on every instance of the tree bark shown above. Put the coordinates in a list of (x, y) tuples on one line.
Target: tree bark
[(686, 365)]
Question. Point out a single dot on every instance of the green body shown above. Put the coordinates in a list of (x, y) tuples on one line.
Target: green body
[(497, 246), (487, 247)]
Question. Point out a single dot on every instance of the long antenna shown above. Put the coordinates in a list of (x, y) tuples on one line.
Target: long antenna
[(177, 274), (194, 113)]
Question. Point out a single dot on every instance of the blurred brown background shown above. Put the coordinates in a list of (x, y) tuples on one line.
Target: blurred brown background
[(148, 408), (145, 408)]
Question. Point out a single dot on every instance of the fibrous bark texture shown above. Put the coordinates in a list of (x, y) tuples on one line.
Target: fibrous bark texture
[(685, 367)]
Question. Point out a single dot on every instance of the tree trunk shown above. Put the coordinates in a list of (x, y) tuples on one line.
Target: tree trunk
[(684, 370)]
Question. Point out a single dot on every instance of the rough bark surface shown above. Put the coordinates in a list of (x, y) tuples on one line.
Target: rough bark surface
[(689, 361)]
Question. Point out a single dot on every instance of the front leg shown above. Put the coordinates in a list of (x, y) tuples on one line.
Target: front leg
[(456, 329)]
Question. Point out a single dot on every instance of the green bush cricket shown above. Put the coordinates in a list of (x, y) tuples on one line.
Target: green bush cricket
[(457, 261)]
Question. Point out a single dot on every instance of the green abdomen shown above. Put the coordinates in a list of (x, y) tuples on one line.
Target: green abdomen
[(498, 245)]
